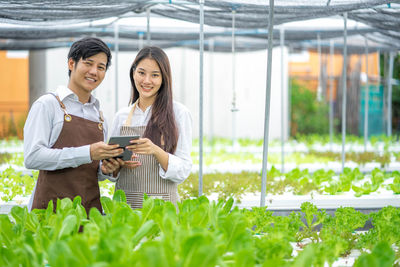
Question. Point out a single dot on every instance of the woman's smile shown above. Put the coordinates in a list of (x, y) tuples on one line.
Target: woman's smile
[(148, 80)]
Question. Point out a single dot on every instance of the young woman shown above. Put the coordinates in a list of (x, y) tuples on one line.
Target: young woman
[(161, 156)]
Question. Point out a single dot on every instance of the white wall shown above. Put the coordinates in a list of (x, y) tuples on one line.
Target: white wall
[(250, 88)]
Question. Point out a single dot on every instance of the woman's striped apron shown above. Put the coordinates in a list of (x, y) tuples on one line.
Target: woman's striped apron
[(144, 178)]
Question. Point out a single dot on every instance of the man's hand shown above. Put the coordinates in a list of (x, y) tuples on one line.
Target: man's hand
[(101, 150), (111, 166)]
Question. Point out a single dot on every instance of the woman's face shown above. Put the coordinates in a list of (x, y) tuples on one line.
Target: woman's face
[(148, 79)]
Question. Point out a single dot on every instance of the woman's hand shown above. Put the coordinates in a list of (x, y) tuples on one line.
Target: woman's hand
[(143, 146), (146, 146), (111, 166), (132, 164)]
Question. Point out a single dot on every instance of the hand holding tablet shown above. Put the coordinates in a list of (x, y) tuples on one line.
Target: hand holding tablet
[(123, 141)]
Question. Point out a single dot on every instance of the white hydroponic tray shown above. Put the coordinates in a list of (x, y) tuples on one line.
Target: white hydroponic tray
[(289, 201), (235, 167)]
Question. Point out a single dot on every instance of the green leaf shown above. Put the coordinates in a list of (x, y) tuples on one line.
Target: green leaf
[(228, 206), (382, 255), (107, 204), (144, 230), (60, 255), (68, 226), (32, 222), (64, 204), (49, 210), (19, 214), (119, 196), (147, 209), (77, 201), (199, 250), (6, 231)]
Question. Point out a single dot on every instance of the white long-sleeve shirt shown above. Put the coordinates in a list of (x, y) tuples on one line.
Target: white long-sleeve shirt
[(43, 127), (180, 162)]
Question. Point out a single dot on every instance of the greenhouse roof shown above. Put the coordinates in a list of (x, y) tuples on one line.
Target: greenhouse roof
[(46, 24)]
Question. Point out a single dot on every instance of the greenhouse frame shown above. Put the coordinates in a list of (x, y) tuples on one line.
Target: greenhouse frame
[(307, 201)]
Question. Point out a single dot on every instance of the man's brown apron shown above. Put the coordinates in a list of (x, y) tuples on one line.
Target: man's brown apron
[(71, 182), (145, 178)]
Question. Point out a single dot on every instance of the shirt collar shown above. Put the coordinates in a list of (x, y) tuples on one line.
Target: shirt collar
[(139, 110), (64, 92)]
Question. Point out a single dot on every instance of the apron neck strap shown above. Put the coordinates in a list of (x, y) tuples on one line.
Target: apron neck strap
[(129, 119)]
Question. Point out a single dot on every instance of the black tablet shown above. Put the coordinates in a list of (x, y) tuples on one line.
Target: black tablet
[(123, 141)]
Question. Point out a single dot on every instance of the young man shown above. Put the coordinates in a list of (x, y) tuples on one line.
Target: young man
[(65, 131)]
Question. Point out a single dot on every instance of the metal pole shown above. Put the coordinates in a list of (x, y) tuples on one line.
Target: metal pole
[(116, 49), (234, 108), (379, 80), (366, 103), (344, 94), (389, 82), (183, 75), (201, 48), (140, 46), (282, 43), (289, 109), (331, 94), (379, 68), (319, 88), (211, 83), (267, 103), (148, 34)]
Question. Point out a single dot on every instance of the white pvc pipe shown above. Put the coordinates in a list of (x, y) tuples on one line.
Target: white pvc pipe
[(389, 82), (319, 87), (211, 89), (282, 43), (332, 71), (379, 69), (140, 46), (234, 108), (267, 103), (116, 50), (201, 48), (344, 91), (148, 10), (366, 102)]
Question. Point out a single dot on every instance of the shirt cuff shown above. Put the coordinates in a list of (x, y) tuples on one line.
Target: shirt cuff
[(82, 155), (102, 176), (174, 171)]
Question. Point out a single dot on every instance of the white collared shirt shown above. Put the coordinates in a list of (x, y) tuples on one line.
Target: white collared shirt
[(179, 163), (43, 126)]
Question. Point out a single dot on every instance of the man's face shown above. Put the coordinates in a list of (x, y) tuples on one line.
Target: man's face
[(87, 74)]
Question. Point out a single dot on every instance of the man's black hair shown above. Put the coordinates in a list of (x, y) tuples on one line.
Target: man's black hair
[(87, 47)]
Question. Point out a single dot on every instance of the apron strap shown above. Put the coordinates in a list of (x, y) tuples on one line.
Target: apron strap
[(68, 117), (129, 119)]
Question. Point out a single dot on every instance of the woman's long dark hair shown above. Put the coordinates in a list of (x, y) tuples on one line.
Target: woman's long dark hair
[(162, 124)]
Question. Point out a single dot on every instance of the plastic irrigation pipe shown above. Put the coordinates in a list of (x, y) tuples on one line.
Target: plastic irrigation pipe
[(344, 94), (267, 103), (201, 48), (366, 102), (282, 43)]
